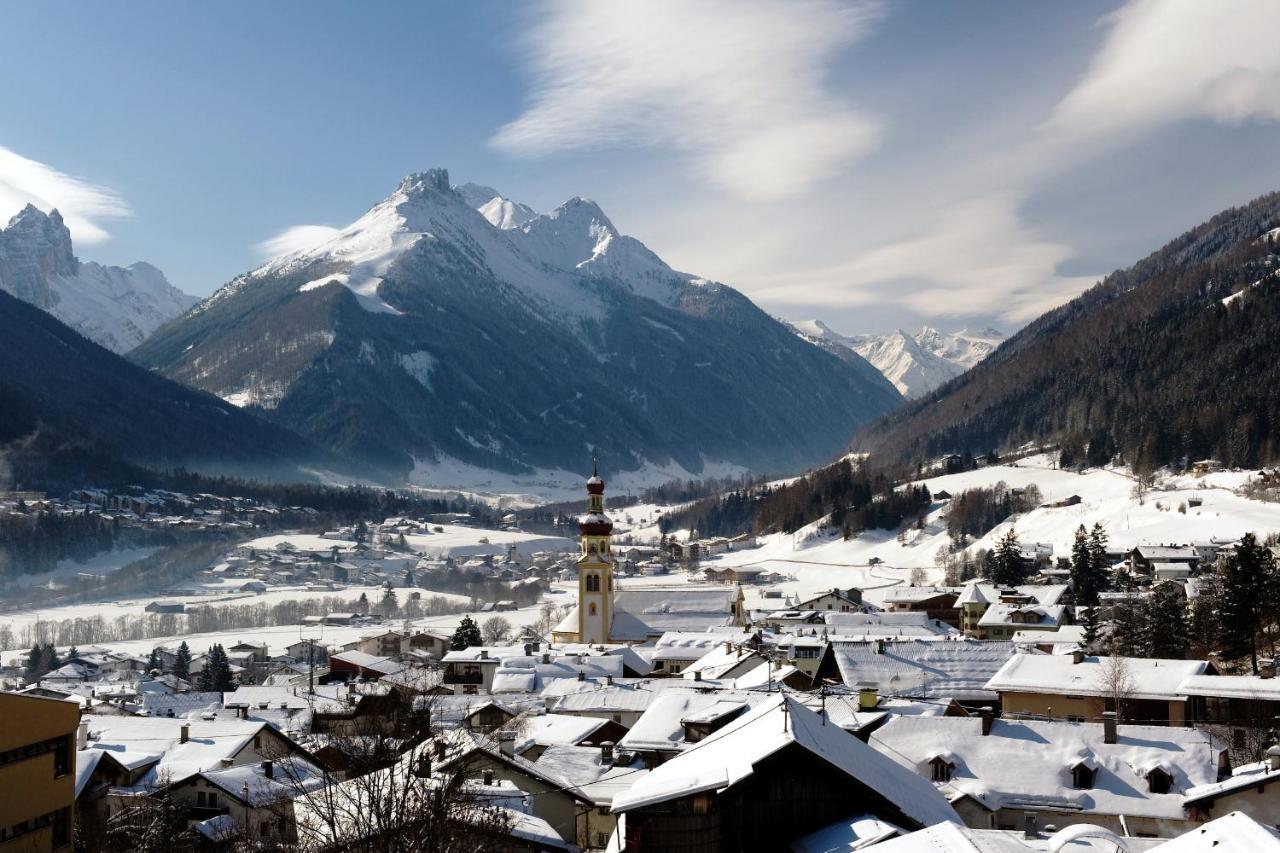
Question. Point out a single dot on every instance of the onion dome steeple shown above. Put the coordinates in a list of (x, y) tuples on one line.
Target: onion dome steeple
[(595, 522)]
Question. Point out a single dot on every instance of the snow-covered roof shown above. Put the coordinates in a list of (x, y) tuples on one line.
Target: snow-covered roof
[(1167, 553), (887, 626), (729, 756), (1151, 678), (290, 778), (1027, 764), (661, 726), (1232, 831), (137, 741), (521, 674), (1231, 687), (1242, 778), (583, 766), (847, 835), (1049, 616), (557, 730), (386, 666), (690, 645), (959, 669)]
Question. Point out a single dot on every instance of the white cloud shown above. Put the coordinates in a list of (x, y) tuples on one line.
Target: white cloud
[(974, 258), (24, 181), (735, 84), (1167, 60), (296, 239)]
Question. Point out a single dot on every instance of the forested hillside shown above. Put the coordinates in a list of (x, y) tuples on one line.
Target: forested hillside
[(73, 412), (1174, 358)]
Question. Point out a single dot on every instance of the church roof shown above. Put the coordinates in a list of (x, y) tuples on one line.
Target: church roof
[(623, 625)]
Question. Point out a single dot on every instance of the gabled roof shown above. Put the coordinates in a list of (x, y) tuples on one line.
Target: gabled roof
[(959, 669), (1027, 764), (1152, 678), (729, 756)]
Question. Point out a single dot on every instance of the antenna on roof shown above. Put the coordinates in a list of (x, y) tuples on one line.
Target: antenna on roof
[(786, 712)]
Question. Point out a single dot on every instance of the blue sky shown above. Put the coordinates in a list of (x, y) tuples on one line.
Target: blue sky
[(874, 164)]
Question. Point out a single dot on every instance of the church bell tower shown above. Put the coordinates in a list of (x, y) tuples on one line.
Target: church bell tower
[(595, 566)]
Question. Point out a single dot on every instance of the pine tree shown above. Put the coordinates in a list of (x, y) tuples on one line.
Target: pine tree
[(1082, 577), (35, 662), (51, 659), (1248, 589), (1090, 623), (390, 604), (216, 675), (1009, 569), (362, 603), (73, 653), (1166, 617), (409, 579), (153, 660), (1204, 625), (467, 635), (1129, 634), (182, 661), (1098, 564)]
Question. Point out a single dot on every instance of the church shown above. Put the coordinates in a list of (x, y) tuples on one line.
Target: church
[(598, 618)]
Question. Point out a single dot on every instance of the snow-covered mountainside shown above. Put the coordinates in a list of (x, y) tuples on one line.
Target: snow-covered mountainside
[(915, 364), (117, 307), (453, 329)]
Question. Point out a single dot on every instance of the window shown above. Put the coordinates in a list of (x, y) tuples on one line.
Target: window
[(213, 800), (1158, 782), (200, 799), (592, 609), (1082, 776), (941, 769)]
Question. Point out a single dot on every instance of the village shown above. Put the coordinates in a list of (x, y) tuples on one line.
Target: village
[(659, 693)]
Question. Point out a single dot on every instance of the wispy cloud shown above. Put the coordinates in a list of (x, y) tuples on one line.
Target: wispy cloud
[(737, 85), (974, 258), (82, 203), (1167, 60), (295, 239)]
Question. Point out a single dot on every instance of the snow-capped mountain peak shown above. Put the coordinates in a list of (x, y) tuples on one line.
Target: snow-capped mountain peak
[(117, 307), (915, 364), (547, 256)]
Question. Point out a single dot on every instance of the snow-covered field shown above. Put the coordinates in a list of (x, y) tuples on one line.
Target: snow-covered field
[(817, 562), (454, 540)]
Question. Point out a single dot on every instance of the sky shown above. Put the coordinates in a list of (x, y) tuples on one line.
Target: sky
[(873, 164)]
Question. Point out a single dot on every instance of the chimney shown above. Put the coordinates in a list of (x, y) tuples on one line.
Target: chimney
[(1267, 668), (537, 645), (1029, 826), (184, 733), (488, 778), (988, 717), (1108, 726), (269, 769), (422, 768), (1273, 758), (606, 753), (438, 746), (507, 743), (608, 679), (582, 675), (528, 649), (879, 647), (697, 676), (484, 654), (1077, 656), (82, 735), (728, 646), (868, 696), (546, 657)]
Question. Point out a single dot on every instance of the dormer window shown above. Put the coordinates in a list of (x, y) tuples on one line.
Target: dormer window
[(940, 769), (1159, 782), (1082, 776)]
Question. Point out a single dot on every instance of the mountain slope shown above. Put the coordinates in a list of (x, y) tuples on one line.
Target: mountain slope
[(61, 394), (1174, 357), (915, 364), (117, 307), (424, 336)]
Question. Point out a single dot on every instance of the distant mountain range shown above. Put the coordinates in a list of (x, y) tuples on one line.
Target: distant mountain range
[(450, 332), (915, 364), (117, 307), (1171, 359)]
